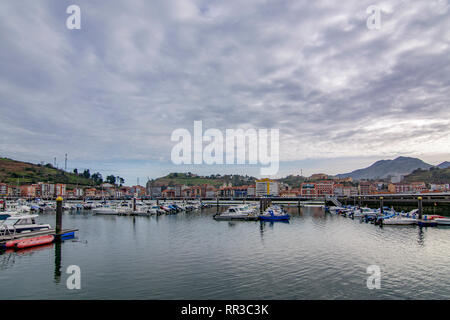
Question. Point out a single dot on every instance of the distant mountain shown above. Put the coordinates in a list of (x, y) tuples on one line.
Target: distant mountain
[(444, 165), (384, 168)]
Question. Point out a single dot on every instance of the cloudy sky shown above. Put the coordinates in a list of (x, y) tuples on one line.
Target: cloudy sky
[(110, 94)]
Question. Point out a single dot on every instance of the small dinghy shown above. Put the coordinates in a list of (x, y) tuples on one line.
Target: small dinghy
[(30, 242)]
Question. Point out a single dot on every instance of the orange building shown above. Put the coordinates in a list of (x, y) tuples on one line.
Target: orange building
[(90, 192), (28, 191), (168, 193), (60, 190)]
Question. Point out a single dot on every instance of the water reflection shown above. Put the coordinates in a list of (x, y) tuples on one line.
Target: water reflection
[(57, 273), (314, 256), (421, 237)]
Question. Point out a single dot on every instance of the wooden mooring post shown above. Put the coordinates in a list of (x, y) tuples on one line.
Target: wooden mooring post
[(58, 227), (420, 207), (381, 205)]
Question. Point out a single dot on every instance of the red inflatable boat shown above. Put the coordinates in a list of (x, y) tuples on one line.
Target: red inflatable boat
[(30, 242)]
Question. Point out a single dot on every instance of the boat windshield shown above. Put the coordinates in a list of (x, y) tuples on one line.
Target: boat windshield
[(10, 222)]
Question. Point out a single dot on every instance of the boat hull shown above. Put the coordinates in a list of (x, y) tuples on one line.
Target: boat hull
[(235, 217), (33, 242), (275, 218), (443, 221), (427, 223)]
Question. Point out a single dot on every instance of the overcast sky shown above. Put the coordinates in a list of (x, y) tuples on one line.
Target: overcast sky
[(110, 94)]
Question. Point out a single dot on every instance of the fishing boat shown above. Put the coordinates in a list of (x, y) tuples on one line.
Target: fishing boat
[(274, 213)]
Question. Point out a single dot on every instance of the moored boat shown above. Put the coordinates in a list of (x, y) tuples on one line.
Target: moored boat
[(274, 213), (30, 242), (243, 212), (399, 221), (443, 221), (22, 223)]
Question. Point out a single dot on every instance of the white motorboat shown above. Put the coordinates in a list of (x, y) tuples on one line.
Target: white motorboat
[(243, 212), (106, 210), (21, 223), (443, 221), (399, 221), (361, 212)]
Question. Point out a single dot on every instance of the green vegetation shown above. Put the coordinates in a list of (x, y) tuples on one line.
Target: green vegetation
[(293, 181), (191, 179), (433, 175), (16, 172)]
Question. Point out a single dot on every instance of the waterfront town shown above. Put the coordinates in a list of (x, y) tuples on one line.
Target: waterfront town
[(317, 185)]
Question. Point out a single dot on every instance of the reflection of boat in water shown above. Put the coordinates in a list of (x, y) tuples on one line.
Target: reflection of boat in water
[(274, 213), (242, 212)]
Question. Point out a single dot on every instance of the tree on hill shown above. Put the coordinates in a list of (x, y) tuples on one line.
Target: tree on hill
[(97, 177), (86, 174), (111, 179)]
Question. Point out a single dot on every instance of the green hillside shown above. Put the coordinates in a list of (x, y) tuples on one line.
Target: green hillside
[(433, 175), (16, 172), (191, 179), (293, 181)]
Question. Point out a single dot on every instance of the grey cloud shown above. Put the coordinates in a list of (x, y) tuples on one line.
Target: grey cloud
[(137, 70)]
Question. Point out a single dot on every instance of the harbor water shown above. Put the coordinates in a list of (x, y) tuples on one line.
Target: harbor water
[(316, 255)]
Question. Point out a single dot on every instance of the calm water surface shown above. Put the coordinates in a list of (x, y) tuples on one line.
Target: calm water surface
[(192, 256)]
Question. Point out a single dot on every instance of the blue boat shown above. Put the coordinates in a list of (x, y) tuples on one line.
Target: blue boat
[(274, 214)]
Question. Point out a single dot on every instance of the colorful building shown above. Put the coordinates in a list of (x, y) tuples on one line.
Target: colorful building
[(60, 190), (309, 189), (28, 191), (4, 189), (266, 187)]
